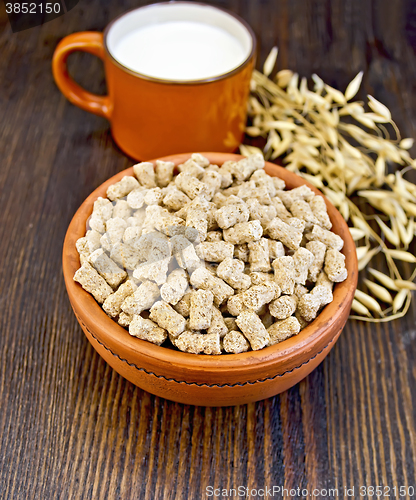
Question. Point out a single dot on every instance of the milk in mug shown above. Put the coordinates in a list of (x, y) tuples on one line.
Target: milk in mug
[(180, 50)]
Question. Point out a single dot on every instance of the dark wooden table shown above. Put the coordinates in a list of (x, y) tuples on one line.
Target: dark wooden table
[(71, 427)]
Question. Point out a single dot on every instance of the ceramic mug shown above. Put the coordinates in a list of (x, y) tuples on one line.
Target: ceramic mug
[(177, 106)]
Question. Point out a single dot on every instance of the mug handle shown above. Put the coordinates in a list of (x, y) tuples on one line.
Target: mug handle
[(84, 41)]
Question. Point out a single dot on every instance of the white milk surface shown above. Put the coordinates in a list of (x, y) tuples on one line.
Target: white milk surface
[(180, 50)]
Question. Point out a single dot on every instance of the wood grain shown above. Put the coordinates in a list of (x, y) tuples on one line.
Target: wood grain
[(70, 427)]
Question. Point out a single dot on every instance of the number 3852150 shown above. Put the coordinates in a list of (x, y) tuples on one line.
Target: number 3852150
[(33, 8)]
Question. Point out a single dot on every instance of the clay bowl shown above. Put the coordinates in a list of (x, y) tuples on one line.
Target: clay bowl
[(225, 380)]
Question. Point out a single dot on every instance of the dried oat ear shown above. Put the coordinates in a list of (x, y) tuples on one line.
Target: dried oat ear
[(344, 150)]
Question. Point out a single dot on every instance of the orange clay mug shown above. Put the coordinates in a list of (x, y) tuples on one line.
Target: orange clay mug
[(178, 76)]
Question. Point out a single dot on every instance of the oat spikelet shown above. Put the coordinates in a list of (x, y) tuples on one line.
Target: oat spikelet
[(354, 86), (408, 285), (379, 108), (379, 291), (399, 300), (406, 143), (360, 308), (368, 301), (384, 279), (270, 61), (401, 255)]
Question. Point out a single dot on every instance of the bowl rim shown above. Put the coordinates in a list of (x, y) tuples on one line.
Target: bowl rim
[(281, 357)]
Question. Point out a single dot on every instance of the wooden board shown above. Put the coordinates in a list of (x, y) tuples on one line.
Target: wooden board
[(70, 427)]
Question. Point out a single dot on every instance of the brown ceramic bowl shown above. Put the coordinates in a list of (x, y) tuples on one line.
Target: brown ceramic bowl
[(224, 380)]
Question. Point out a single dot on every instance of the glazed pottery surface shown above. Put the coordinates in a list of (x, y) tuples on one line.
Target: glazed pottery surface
[(223, 380)]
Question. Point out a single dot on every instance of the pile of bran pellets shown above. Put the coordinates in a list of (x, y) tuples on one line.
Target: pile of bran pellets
[(358, 159), (215, 259)]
